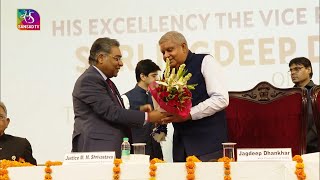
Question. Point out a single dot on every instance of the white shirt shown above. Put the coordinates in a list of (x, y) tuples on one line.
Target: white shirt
[(126, 102), (103, 75), (216, 89)]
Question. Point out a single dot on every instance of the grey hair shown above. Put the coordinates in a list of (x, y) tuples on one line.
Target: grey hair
[(3, 107), (175, 36), (101, 45)]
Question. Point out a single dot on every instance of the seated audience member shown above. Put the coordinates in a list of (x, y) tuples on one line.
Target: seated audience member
[(146, 72), (12, 147), (301, 74)]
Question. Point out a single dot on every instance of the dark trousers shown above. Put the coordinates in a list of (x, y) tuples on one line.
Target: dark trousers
[(214, 156)]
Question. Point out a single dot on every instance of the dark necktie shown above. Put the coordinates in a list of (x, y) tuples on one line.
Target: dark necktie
[(114, 92), (116, 97)]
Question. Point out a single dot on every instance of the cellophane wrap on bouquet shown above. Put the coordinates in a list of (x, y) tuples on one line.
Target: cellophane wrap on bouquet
[(171, 94)]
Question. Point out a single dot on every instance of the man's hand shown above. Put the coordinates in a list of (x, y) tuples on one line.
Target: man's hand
[(156, 116), (146, 108), (175, 118)]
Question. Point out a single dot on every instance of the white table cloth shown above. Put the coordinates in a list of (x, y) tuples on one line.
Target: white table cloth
[(174, 171)]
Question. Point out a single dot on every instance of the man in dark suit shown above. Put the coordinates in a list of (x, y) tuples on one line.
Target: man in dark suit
[(101, 121), (12, 147), (146, 72), (301, 74), (203, 131)]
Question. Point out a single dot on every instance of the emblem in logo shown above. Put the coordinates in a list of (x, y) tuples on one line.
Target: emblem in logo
[(28, 19)]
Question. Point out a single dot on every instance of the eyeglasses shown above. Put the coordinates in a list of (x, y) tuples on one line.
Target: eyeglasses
[(295, 69)]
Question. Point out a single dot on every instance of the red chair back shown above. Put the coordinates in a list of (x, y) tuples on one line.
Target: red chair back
[(315, 102), (268, 117)]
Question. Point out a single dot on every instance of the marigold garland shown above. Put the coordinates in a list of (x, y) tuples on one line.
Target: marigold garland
[(191, 166), (301, 175), (48, 169), (5, 164), (227, 168), (116, 169), (153, 168)]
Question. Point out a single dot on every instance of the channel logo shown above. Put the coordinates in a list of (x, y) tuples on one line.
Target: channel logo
[(28, 19)]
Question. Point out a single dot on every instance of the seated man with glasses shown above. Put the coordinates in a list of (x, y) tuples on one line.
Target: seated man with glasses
[(12, 147), (301, 74)]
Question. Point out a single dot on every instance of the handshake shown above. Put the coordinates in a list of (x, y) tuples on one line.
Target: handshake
[(158, 117)]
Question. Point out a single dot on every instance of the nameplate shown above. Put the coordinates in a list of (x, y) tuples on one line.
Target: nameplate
[(262, 154), (89, 158)]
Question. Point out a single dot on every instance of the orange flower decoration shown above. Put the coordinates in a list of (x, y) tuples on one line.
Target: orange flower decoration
[(116, 176), (48, 170), (301, 175), (298, 159), (191, 177), (153, 168), (227, 168), (193, 159), (227, 172), (190, 171), (3, 172), (116, 169), (190, 166), (4, 164)]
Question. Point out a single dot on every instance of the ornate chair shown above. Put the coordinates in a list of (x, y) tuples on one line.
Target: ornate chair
[(315, 101), (268, 117)]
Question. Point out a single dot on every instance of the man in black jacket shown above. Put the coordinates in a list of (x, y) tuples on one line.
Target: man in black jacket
[(146, 72), (12, 147), (301, 74)]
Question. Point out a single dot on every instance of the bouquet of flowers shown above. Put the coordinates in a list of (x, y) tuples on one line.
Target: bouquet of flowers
[(171, 94)]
